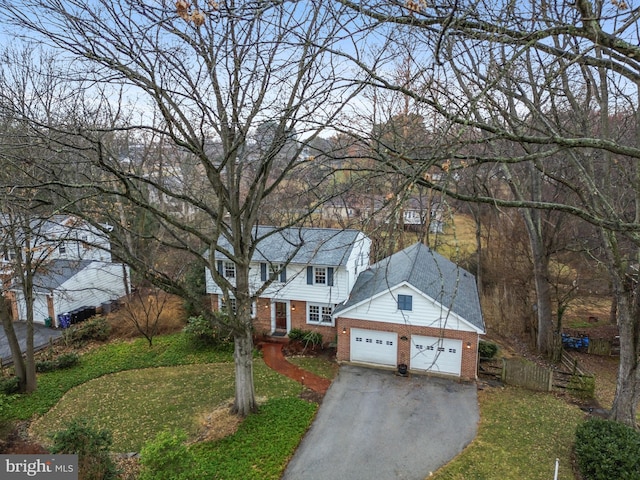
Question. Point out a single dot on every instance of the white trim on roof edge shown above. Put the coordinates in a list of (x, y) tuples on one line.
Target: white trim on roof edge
[(406, 284)]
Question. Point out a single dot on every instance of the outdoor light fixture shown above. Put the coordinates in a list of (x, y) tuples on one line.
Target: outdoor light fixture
[(344, 329), (293, 307), (468, 344)]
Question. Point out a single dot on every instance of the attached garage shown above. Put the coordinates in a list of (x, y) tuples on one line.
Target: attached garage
[(371, 346), (438, 355), (415, 308)]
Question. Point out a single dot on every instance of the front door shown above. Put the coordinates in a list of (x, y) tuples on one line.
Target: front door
[(281, 316)]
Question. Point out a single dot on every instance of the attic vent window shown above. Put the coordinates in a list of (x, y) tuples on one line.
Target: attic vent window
[(405, 302)]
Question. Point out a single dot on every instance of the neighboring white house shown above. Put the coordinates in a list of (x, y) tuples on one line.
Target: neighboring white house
[(314, 271), (74, 268), (57, 237), (66, 286)]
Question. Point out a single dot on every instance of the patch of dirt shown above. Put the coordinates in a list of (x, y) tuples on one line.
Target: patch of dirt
[(128, 467), (605, 369), (217, 424), (297, 348), (311, 396), (18, 441)]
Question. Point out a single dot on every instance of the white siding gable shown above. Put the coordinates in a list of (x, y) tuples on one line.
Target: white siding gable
[(425, 310)]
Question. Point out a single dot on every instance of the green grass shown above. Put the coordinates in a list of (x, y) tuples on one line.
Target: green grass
[(135, 405), (521, 433), (319, 366), (170, 350), (257, 449)]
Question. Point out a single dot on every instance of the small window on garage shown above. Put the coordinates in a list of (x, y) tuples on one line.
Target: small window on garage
[(405, 302)]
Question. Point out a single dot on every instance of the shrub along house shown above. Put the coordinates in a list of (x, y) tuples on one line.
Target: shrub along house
[(414, 308), (315, 269)]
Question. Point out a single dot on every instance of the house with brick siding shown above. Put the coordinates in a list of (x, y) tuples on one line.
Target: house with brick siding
[(415, 308), (308, 272)]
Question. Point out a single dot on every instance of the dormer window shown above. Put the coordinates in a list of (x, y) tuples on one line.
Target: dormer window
[(62, 249)]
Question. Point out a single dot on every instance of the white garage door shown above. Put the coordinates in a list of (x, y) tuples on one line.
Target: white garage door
[(441, 355), (371, 346)]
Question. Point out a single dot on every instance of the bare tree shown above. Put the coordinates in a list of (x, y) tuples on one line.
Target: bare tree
[(532, 80), (144, 309), (211, 73)]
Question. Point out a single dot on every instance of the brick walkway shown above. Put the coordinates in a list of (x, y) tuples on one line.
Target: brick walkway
[(273, 357)]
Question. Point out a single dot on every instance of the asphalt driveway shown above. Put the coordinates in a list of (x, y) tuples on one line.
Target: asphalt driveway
[(41, 338), (373, 424)]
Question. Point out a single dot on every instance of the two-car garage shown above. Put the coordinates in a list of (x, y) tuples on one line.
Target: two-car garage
[(433, 354)]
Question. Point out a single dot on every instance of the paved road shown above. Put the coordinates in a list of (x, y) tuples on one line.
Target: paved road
[(373, 424), (41, 338)]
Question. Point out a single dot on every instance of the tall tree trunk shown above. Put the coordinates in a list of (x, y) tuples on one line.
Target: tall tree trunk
[(14, 345), (544, 309), (625, 403), (30, 363), (627, 294), (545, 343), (245, 402)]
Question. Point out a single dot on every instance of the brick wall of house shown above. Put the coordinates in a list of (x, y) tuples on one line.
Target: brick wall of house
[(298, 312), (299, 320), (469, 355), (214, 302), (262, 320)]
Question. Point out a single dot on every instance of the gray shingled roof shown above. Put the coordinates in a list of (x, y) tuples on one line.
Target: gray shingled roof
[(318, 246), (427, 271), (54, 274)]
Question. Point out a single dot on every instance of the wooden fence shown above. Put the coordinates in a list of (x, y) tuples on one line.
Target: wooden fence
[(523, 373), (527, 374), (604, 346)]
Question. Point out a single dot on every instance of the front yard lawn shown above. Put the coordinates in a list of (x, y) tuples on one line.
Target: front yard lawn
[(316, 365), (137, 392), (170, 350), (521, 433), (137, 404)]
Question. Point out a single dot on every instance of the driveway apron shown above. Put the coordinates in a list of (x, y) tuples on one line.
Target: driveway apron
[(41, 337), (373, 424)]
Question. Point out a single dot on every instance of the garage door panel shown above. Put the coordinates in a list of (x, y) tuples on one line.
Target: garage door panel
[(441, 355), (372, 346)]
